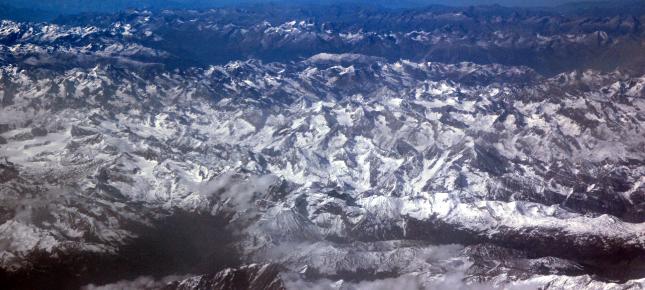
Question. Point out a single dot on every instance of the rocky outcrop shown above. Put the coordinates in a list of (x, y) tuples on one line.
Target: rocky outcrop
[(252, 276)]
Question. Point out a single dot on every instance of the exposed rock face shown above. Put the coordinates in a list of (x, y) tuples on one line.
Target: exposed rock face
[(334, 169), (246, 277)]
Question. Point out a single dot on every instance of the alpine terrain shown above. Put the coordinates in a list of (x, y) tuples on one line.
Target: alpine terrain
[(324, 147)]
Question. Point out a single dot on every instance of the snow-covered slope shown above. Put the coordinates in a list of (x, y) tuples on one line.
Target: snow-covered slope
[(334, 167)]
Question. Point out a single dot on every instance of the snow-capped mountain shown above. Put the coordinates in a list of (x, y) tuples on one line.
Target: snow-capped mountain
[(322, 152)]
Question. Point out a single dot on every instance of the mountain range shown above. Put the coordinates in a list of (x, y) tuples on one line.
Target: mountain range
[(326, 147)]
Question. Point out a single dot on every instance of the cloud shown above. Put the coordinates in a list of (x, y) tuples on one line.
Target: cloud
[(417, 281), (140, 283), (236, 192)]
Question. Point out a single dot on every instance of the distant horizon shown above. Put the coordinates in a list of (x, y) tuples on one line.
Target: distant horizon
[(39, 10), (63, 6)]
